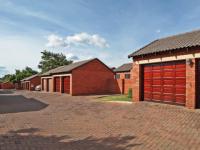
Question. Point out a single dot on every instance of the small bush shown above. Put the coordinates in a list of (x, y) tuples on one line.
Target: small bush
[(129, 93)]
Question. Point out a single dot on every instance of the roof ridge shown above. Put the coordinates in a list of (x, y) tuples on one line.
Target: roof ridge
[(175, 35), (78, 62), (124, 67), (83, 60), (72, 65), (181, 38), (31, 76)]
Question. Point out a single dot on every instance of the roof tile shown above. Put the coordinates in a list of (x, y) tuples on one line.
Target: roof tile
[(124, 68), (66, 68), (184, 40)]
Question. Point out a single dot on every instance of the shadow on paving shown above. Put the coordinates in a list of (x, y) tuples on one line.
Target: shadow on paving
[(18, 103), (26, 139)]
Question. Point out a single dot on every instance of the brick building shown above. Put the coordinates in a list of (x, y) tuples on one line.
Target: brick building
[(80, 78), (168, 70), (7, 85), (31, 82), (123, 77)]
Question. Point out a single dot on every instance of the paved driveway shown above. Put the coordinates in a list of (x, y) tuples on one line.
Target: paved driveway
[(53, 121)]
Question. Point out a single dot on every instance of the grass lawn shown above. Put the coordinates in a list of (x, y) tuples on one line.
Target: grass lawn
[(123, 98)]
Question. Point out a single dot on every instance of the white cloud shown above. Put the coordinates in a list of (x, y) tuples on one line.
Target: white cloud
[(87, 39), (71, 56), (55, 41), (77, 39)]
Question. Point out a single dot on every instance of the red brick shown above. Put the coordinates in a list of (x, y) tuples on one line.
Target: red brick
[(7, 85), (136, 93), (124, 84), (190, 78), (191, 85), (93, 78), (31, 84)]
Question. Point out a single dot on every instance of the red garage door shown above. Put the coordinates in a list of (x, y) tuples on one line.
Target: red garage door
[(42, 84), (47, 85), (66, 85), (165, 82), (57, 84), (198, 84)]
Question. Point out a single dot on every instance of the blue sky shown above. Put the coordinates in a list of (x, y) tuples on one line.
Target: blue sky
[(81, 29)]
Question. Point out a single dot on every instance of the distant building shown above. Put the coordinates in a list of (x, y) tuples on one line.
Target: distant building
[(80, 78), (31, 82), (7, 85), (123, 77)]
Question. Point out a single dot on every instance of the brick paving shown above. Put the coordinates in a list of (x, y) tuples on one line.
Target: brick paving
[(34, 120)]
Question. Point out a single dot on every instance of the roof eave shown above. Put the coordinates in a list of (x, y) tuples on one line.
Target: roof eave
[(122, 71)]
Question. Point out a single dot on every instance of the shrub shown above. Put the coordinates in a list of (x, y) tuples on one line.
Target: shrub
[(130, 93)]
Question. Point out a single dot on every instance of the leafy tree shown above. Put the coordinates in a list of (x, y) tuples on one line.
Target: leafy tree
[(8, 78), (19, 75), (52, 60)]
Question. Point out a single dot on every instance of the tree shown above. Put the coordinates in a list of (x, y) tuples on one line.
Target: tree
[(19, 75), (8, 78), (52, 60)]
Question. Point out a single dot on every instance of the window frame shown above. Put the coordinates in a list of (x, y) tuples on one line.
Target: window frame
[(127, 74), (117, 76)]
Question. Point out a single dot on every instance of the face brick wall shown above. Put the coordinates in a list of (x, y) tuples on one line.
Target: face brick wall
[(120, 84), (7, 85), (191, 84), (34, 82), (136, 77), (124, 84), (127, 85), (93, 78)]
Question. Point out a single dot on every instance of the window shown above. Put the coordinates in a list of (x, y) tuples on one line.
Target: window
[(127, 76), (117, 76)]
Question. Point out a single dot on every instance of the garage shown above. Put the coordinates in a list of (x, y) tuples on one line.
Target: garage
[(85, 77), (167, 70), (165, 82), (31, 82), (66, 84), (57, 84)]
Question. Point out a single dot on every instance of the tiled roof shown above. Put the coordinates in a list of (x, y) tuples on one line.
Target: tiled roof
[(30, 77), (66, 68), (124, 68), (184, 40)]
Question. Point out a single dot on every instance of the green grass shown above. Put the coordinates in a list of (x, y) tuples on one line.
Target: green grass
[(123, 98)]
